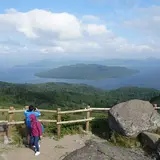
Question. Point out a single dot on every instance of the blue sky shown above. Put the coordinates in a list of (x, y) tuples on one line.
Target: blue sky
[(80, 6), (101, 29)]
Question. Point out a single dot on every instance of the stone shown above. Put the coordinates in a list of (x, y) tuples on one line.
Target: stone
[(3, 157), (133, 117), (104, 151), (150, 140), (6, 140)]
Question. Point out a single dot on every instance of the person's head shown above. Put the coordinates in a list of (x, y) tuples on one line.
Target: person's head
[(31, 108)]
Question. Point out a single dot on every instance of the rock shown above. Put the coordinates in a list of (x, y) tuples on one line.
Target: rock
[(103, 151), (3, 156), (157, 151), (6, 141), (150, 140), (133, 117)]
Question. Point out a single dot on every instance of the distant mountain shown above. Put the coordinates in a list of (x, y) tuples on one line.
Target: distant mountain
[(43, 63), (86, 71), (151, 61), (48, 63), (53, 63)]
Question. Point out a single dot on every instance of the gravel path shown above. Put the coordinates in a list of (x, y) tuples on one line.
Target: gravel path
[(50, 149)]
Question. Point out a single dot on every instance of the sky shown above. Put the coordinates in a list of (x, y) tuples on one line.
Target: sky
[(78, 29)]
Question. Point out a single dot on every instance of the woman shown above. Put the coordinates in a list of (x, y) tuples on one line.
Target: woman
[(29, 111)]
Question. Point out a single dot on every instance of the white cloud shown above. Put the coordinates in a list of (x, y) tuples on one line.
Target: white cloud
[(63, 25), (42, 32), (94, 29)]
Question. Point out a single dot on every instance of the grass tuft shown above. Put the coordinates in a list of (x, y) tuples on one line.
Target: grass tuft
[(124, 141)]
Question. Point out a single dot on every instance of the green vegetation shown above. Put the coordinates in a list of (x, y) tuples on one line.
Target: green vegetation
[(87, 71), (124, 141), (68, 96), (156, 100), (100, 128)]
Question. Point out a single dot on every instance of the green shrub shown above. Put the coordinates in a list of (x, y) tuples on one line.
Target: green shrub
[(70, 128), (50, 129), (66, 129), (100, 128), (16, 136), (124, 141)]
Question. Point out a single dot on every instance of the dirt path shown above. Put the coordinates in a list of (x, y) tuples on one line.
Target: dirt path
[(50, 149)]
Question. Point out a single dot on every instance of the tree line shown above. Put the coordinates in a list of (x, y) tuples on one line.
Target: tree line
[(69, 96)]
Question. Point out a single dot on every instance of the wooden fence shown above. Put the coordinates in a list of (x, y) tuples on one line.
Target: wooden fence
[(58, 121)]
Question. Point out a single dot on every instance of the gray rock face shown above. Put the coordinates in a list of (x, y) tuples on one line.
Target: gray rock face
[(133, 117), (157, 152), (101, 151), (150, 140)]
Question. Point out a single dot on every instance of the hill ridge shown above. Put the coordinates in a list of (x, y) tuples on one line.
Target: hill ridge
[(87, 71)]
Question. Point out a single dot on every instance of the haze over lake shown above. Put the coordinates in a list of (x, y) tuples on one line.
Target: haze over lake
[(147, 77)]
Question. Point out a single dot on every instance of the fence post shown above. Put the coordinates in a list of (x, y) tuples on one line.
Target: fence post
[(88, 116), (10, 119), (26, 107), (58, 120)]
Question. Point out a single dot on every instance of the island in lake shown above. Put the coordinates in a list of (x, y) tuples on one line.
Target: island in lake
[(87, 71)]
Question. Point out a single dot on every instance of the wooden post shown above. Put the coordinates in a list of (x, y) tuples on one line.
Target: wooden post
[(26, 107), (87, 122), (10, 119), (58, 120)]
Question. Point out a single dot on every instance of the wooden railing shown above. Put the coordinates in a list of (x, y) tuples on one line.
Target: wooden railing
[(58, 121)]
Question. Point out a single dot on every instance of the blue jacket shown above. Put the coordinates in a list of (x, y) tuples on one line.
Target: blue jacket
[(27, 114)]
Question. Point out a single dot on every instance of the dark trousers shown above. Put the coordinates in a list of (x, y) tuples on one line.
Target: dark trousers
[(28, 135), (34, 141)]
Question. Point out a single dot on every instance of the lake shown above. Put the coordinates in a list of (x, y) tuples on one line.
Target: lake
[(147, 77)]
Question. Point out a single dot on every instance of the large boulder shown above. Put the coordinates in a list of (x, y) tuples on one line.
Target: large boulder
[(103, 151), (133, 117)]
